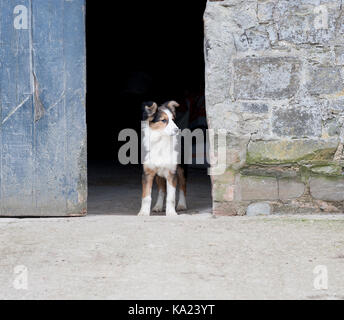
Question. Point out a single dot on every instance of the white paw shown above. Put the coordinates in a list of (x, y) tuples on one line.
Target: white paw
[(181, 207), (143, 213), (171, 213), (158, 208)]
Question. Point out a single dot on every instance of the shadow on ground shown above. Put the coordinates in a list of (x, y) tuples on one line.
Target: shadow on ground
[(116, 190)]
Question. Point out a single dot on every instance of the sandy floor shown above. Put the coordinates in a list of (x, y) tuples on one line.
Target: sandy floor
[(193, 256), (198, 257)]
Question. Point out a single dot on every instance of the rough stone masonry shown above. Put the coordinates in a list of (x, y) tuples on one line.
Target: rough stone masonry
[(274, 81)]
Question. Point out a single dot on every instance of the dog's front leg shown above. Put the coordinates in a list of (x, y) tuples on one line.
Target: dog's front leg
[(161, 182), (147, 182), (171, 195), (182, 189)]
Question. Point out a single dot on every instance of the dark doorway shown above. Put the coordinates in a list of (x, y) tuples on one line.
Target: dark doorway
[(137, 51)]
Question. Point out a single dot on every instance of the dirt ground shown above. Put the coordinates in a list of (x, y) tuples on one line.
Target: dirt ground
[(187, 257), (112, 254)]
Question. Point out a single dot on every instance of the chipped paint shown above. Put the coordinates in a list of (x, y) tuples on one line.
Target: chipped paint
[(42, 110)]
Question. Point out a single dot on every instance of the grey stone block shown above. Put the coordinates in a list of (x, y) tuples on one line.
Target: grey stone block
[(337, 106), (290, 189), (306, 22), (265, 11), (332, 127), (324, 80), (326, 188), (258, 208), (255, 107), (256, 39), (258, 188), (266, 78), (339, 51), (245, 14), (296, 122)]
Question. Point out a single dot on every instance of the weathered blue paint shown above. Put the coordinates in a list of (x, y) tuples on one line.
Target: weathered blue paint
[(42, 109)]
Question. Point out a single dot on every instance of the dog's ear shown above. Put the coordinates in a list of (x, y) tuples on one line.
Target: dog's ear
[(172, 105), (149, 108)]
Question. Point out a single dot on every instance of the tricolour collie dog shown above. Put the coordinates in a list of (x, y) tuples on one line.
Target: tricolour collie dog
[(161, 159)]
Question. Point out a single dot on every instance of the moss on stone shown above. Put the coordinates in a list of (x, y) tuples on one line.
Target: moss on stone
[(331, 170), (290, 151), (271, 171), (323, 168)]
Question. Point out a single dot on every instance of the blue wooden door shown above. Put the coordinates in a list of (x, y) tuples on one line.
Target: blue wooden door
[(42, 108)]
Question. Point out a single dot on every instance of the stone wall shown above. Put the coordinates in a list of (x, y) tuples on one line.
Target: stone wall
[(274, 81)]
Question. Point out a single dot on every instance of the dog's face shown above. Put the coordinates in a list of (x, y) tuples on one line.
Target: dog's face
[(161, 118)]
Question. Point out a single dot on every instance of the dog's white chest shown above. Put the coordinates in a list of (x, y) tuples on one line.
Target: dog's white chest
[(161, 153)]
